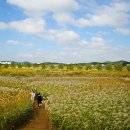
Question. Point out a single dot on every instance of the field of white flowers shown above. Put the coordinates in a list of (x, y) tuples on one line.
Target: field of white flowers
[(83, 103), (87, 103)]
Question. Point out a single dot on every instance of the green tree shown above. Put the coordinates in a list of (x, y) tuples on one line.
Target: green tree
[(128, 67), (0, 65), (70, 67), (98, 66), (88, 67), (118, 66), (6, 65), (35, 65), (13, 65), (79, 67), (60, 66), (20, 66), (108, 67), (52, 67), (28, 64), (43, 66)]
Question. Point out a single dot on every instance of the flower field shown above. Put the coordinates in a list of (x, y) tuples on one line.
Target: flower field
[(76, 103), (88, 103)]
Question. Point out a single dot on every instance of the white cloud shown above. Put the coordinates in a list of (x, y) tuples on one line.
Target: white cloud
[(124, 31), (63, 37), (113, 15), (33, 7), (28, 26), (64, 18), (71, 55), (3, 25), (61, 9), (66, 37), (30, 45), (64, 12), (12, 42), (97, 42)]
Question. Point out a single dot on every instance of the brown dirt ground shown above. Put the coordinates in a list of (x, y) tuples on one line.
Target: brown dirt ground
[(40, 121)]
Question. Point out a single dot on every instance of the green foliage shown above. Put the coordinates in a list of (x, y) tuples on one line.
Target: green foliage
[(118, 66), (0, 65), (79, 67), (108, 67), (69, 70), (13, 65), (128, 67), (88, 67), (98, 66), (70, 67), (6, 66), (60, 66), (20, 66), (52, 67), (27, 64), (35, 65), (43, 66)]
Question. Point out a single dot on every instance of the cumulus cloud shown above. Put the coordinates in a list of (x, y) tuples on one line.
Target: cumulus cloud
[(12, 42), (28, 26), (40, 7), (63, 37), (67, 37), (113, 15), (64, 18), (124, 31), (3, 25), (61, 9), (97, 42)]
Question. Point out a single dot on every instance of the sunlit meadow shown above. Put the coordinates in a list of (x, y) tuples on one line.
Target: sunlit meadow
[(76, 103)]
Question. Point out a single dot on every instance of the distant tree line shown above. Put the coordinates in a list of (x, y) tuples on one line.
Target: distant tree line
[(98, 66)]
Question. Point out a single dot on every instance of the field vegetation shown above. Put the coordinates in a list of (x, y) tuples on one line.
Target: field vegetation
[(76, 103), (82, 97), (116, 70), (15, 108)]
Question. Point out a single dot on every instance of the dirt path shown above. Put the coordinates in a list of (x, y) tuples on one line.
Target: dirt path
[(40, 121)]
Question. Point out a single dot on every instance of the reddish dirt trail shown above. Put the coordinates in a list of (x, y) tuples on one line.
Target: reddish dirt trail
[(40, 121)]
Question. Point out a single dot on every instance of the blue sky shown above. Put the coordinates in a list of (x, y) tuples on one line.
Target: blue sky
[(68, 31)]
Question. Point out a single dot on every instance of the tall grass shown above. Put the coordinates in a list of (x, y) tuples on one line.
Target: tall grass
[(15, 108), (88, 103), (77, 103), (64, 72)]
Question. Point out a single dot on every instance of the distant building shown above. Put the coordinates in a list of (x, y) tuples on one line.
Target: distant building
[(103, 65), (5, 62)]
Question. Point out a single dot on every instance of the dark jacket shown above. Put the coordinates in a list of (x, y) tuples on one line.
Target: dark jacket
[(39, 98)]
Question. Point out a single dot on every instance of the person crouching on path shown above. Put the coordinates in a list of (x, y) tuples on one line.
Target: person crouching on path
[(39, 99)]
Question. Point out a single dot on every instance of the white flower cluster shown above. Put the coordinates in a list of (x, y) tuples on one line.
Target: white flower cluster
[(85, 103)]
